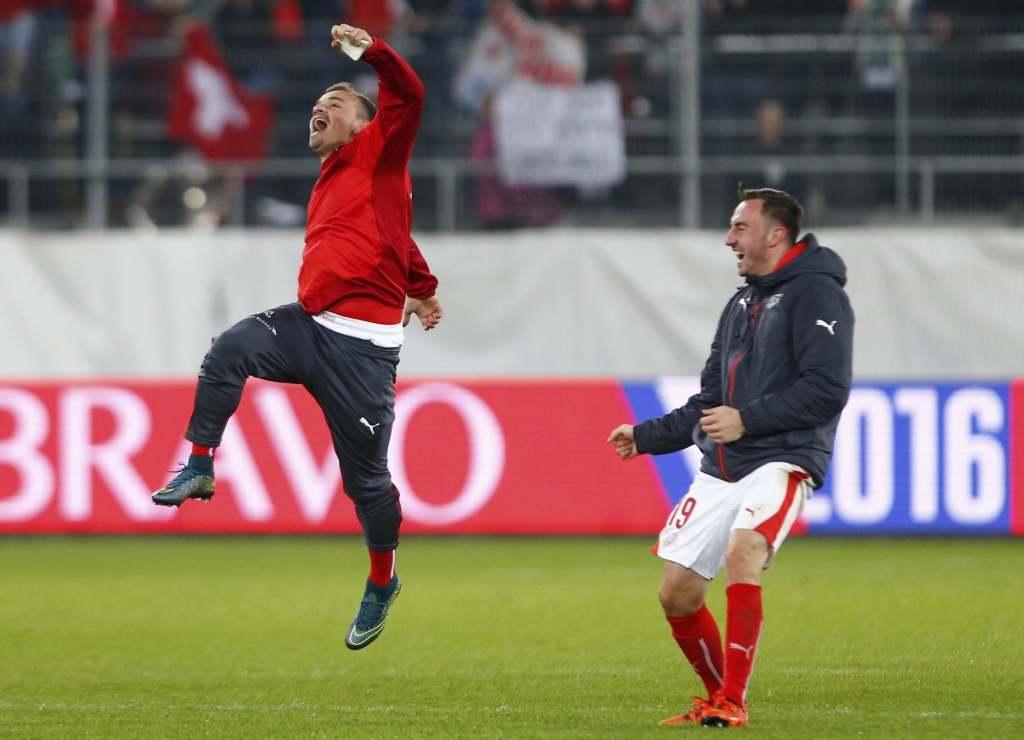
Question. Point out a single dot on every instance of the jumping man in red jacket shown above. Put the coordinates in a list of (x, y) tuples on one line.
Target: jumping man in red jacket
[(361, 280)]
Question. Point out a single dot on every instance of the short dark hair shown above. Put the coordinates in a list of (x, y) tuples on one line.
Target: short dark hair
[(779, 206), (369, 107)]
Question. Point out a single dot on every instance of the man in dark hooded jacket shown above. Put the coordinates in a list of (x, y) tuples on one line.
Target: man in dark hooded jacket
[(771, 394)]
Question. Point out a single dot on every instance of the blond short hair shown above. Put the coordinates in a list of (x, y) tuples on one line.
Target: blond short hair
[(369, 107)]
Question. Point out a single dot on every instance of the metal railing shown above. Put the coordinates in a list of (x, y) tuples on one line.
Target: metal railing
[(934, 124), (448, 174)]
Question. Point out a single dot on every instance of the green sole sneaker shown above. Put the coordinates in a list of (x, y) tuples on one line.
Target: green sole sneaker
[(188, 484), (371, 618)]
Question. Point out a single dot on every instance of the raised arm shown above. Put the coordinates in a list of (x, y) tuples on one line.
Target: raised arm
[(400, 92)]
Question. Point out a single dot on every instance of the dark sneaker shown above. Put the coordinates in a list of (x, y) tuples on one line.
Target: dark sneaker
[(373, 613), (194, 480)]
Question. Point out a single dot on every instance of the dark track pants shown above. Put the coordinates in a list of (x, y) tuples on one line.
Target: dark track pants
[(352, 380)]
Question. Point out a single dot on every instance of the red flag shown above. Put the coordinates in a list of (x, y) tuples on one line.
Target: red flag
[(210, 109)]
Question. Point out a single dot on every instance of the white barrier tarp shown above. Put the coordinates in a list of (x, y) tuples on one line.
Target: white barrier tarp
[(937, 303)]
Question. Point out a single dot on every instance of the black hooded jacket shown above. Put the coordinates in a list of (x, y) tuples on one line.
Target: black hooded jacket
[(782, 356)]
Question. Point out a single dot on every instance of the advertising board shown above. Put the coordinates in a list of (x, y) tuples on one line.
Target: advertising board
[(913, 458), (492, 456)]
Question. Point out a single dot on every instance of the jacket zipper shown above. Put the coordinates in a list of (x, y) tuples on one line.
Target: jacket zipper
[(732, 387), (732, 375)]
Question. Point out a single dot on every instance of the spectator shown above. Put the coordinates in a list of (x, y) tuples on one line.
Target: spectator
[(771, 121), (660, 16), (17, 30), (942, 15), (651, 63), (498, 205), (875, 18), (510, 44), (771, 147)]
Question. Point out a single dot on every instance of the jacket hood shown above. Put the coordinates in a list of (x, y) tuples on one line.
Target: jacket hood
[(814, 259)]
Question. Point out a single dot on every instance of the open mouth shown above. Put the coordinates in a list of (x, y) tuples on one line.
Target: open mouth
[(317, 125)]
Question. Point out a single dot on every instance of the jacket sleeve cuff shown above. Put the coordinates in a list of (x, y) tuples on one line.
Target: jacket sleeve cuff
[(373, 48), (640, 438), (755, 419), (425, 287)]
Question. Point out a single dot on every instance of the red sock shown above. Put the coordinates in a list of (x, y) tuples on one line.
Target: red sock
[(382, 567), (742, 633), (202, 451), (701, 642)]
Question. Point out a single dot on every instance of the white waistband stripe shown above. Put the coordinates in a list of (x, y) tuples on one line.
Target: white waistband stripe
[(383, 335)]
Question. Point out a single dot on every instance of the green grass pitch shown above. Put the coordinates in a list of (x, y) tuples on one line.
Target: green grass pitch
[(494, 638)]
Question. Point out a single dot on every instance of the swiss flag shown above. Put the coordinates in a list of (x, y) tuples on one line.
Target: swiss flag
[(210, 109)]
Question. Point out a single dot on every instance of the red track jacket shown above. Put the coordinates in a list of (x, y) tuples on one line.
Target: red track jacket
[(360, 260)]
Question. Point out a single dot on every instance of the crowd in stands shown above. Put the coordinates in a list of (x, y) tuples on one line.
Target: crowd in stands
[(279, 47)]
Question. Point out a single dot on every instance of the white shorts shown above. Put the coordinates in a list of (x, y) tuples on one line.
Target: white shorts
[(767, 500)]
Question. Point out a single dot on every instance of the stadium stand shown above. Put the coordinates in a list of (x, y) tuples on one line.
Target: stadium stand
[(871, 112)]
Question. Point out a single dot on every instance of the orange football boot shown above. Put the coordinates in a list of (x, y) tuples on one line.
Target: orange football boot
[(725, 713), (692, 717)]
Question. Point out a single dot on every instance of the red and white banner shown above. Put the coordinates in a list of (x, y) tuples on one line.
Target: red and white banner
[(502, 456), (210, 109), (573, 135), (511, 45)]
